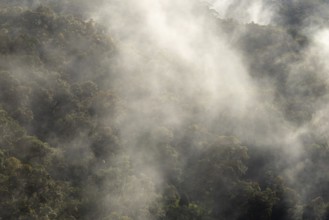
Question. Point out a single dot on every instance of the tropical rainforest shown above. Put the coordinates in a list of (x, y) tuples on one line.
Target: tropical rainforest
[(173, 110)]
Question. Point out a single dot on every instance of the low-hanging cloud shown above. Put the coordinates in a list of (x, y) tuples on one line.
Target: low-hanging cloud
[(177, 69)]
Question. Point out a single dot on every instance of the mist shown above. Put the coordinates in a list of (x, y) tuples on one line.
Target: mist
[(182, 70), (165, 110), (179, 70)]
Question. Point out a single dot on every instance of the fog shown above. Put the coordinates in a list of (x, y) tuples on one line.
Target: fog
[(205, 97), (176, 68)]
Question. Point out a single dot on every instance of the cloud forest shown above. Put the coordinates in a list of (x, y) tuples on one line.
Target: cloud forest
[(164, 110)]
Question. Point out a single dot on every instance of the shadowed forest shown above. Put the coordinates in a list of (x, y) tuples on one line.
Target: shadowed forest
[(150, 110)]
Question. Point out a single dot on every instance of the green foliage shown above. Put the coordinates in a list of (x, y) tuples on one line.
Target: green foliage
[(63, 157)]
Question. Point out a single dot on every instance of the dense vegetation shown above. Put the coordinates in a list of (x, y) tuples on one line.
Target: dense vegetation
[(63, 156)]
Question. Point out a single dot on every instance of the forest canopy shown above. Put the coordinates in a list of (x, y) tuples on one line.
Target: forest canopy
[(161, 111)]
